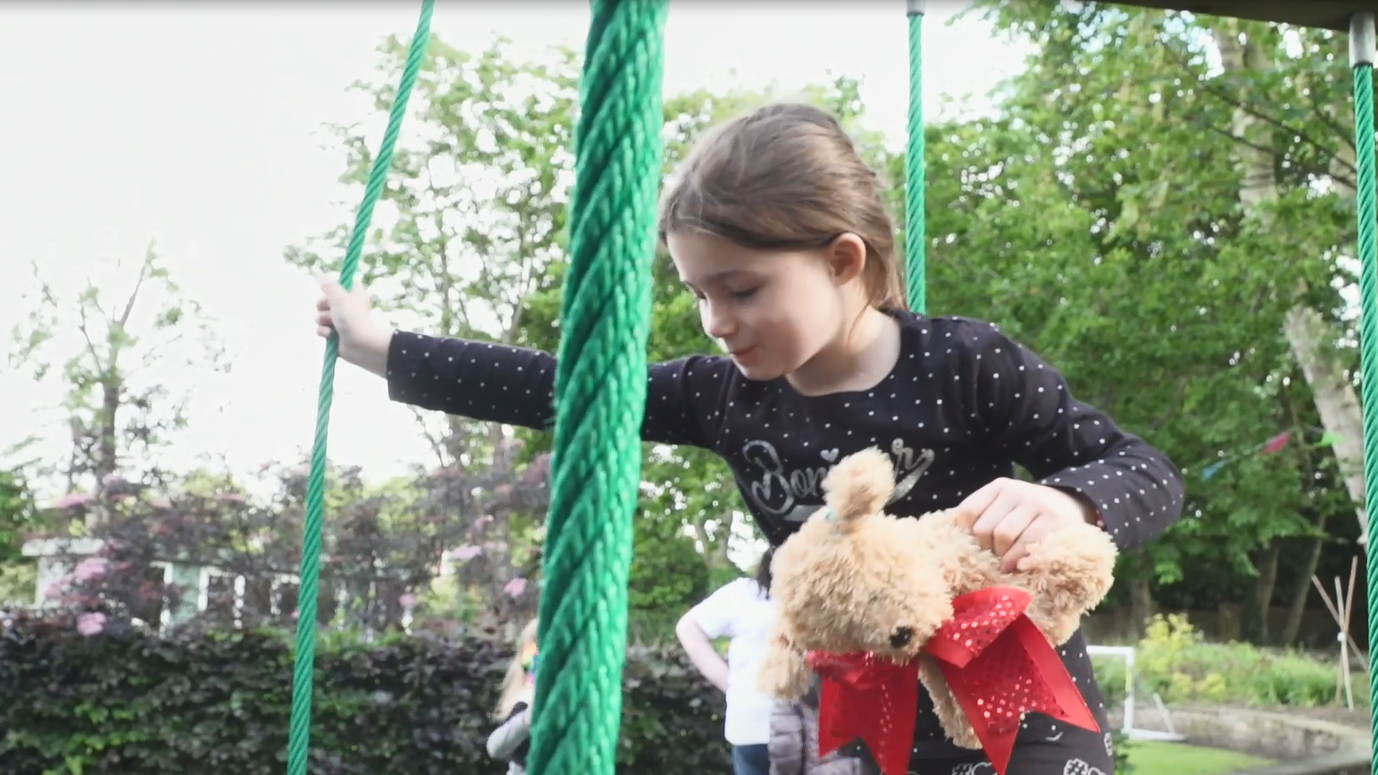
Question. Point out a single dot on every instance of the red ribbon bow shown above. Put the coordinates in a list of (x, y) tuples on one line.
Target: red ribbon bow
[(997, 663)]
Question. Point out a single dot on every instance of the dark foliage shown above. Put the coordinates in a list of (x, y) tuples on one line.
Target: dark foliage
[(123, 701)]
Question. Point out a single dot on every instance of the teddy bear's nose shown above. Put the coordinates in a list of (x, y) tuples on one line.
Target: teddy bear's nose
[(900, 637)]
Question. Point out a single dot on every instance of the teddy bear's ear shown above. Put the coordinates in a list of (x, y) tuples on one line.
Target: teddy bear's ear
[(859, 485)]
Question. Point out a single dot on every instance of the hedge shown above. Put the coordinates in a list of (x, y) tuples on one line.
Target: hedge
[(218, 702)]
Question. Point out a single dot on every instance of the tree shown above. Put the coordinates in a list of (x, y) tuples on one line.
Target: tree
[(1105, 224), (476, 206), (476, 199), (117, 411), (201, 534), (16, 514), (17, 517)]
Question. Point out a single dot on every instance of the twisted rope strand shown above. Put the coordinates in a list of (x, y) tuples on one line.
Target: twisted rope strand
[(600, 388), (1368, 336), (299, 734), (914, 229)]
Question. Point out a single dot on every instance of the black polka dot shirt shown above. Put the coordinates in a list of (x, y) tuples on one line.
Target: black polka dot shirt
[(963, 405)]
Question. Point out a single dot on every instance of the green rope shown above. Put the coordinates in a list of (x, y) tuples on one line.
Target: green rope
[(300, 730), (600, 387), (914, 227), (1368, 337)]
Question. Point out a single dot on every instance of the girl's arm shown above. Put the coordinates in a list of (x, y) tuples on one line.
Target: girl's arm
[(514, 731), (700, 649), (1029, 412), (516, 386)]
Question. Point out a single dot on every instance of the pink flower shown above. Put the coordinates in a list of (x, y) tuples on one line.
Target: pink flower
[(466, 553), (75, 500), (89, 568), (515, 587), (57, 586), (89, 624), (408, 600), (160, 503)]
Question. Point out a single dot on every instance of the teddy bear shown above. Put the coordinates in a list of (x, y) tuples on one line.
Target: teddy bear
[(876, 604)]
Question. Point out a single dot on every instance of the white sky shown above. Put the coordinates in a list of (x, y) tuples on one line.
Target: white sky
[(195, 125)]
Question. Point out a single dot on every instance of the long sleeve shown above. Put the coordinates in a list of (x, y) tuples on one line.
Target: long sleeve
[(506, 739), (1029, 412), (787, 741), (516, 386)]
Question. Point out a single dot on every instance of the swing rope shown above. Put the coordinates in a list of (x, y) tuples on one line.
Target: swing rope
[(914, 226), (1361, 48), (600, 388), (299, 736)]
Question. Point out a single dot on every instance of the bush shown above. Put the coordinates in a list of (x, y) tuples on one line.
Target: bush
[(1177, 663), (130, 702)]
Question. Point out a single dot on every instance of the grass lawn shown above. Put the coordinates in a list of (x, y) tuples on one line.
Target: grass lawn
[(1153, 757)]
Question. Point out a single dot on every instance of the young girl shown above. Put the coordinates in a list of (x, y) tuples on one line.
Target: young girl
[(777, 227), (511, 740)]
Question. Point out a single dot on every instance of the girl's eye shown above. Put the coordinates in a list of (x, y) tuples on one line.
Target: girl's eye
[(746, 294)]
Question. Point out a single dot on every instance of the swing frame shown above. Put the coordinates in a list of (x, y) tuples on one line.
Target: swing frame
[(1324, 14)]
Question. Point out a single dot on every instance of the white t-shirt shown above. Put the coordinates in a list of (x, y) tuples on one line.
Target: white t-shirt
[(739, 610)]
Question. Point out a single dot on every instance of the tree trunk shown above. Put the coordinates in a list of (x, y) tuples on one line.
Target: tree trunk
[(1256, 619), (1336, 402), (1308, 335), (107, 445), (1140, 594), (1301, 589)]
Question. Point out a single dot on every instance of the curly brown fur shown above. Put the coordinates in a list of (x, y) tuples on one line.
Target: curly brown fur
[(854, 579)]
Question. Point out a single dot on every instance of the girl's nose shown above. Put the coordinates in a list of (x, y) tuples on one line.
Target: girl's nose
[(717, 324)]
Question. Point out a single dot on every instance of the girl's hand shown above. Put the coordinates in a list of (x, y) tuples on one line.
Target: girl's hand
[(363, 339), (1008, 516)]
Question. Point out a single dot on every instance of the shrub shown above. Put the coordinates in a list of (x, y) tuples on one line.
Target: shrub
[(1177, 663), (123, 701)]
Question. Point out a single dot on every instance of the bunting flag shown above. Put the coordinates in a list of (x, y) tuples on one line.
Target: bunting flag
[(1214, 468), (1270, 447), (1275, 444)]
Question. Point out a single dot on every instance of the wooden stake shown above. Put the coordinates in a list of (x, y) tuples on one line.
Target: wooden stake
[(1334, 612), (1344, 647)]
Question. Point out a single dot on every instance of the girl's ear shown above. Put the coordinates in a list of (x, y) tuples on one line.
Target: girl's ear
[(846, 258)]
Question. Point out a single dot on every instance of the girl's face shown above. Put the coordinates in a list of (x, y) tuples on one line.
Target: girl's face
[(771, 311)]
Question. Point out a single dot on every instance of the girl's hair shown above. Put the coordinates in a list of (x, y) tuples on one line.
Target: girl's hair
[(515, 687), (786, 177), (763, 576)]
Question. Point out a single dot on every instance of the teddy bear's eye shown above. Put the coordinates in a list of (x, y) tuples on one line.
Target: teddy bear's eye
[(901, 636)]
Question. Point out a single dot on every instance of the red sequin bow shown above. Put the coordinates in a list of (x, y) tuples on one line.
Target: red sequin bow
[(997, 663)]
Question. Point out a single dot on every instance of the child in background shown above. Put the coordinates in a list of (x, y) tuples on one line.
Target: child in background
[(512, 739), (742, 611), (793, 743)]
